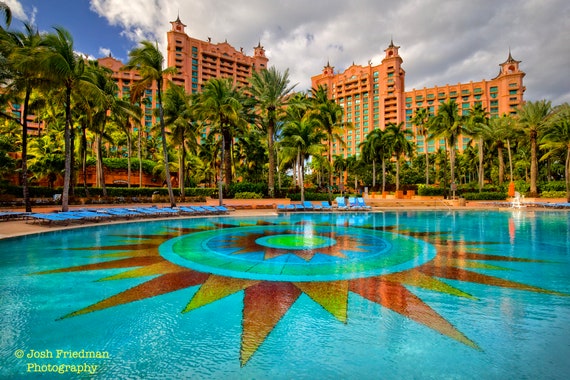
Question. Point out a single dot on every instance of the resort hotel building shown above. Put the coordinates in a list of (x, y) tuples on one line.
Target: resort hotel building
[(196, 61), (375, 96)]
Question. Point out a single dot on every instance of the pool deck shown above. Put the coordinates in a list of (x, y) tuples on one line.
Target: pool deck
[(25, 227)]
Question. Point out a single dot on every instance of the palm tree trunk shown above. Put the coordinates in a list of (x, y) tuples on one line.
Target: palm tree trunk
[(510, 159), (533, 164), (227, 148), (164, 145), (271, 153), (25, 188), (68, 152), (84, 159), (140, 156), (452, 165), (181, 160), (397, 173), (383, 175), (427, 160), (100, 169), (301, 177), (129, 152), (501, 164), (481, 168), (374, 173), (567, 173)]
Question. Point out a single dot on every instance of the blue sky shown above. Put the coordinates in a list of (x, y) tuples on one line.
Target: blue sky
[(442, 41)]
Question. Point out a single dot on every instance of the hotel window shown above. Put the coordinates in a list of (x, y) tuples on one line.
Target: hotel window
[(494, 89), (512, 92)]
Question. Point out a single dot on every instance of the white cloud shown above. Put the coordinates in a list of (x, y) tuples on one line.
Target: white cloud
[(441, 42), (105, 52), (17, 9)]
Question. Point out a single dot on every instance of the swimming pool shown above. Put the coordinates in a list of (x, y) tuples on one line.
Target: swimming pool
[(371, 295)]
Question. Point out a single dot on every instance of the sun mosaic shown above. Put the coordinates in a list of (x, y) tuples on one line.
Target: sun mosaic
[(273, 264)]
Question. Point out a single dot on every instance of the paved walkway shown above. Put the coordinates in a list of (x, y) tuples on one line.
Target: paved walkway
[(23, 227)]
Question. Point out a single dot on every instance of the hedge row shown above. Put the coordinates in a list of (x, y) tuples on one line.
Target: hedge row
[(485, 196), (45, 192)]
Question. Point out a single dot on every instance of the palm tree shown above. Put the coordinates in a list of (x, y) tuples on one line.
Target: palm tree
[(449, 125), (533, 116), (396, 139), (62, 65), (47, 159), (330, 115), (340, 166), (148, 61), (556, 138), (22, 50), (373, 150), (270, 88), (221, 103), (421, 120), (178, 116), (302, 135), (476, 122)]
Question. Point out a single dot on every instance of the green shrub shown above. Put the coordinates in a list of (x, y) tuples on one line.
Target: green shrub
[(311, 196), (552, 186), (553, 194), (248, 195), (424, 190), (246, 187), (485, 196), (122, 163)]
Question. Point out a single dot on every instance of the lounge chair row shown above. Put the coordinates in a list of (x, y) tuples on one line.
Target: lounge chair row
[(355, 204), (107, 214), (12, 215)]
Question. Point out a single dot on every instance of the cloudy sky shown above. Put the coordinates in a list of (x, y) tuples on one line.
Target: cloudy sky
[(441, 41)]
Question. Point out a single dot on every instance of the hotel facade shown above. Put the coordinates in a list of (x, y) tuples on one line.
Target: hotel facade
[(374, 96), (197, 61)]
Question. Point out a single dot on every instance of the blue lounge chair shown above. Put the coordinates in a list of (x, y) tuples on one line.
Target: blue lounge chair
[(308, 206), (341, 204), (362, 204), (285, 208), (352, 204), (299, 207), (326, 206)]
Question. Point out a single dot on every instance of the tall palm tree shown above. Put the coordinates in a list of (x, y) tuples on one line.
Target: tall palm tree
[(330, 115), (533, 116), (556, 138), (449, 125), (178, 116), (62, 65), (221, 103), (476, 122), (396, 139), (270, 88), (373, 149), (339, 165), (302, 135), (148, 61), (421, 120), (22, 50)]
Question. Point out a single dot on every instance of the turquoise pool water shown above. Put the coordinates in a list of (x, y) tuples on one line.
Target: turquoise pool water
[(403, 295)]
